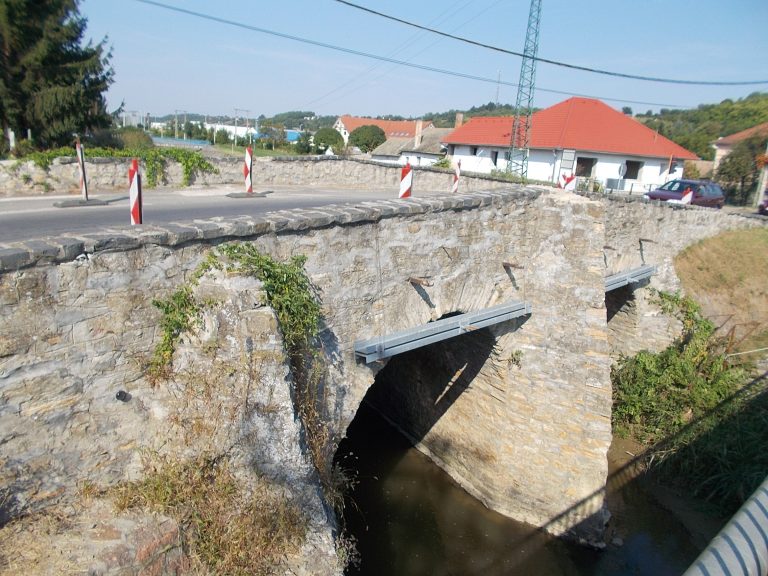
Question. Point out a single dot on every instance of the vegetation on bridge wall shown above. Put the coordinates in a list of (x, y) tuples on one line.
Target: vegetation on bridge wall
[(203, 494)]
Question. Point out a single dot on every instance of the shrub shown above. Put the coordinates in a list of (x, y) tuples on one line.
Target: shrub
[(134, 138)]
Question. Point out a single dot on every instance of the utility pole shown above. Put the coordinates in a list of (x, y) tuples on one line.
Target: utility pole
[(238, 110), (176, 122), (521, 125)]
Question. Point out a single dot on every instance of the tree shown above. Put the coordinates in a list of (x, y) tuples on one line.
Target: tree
[(272, 134), (367, 137), (50, 83), (304, 143), (626, 110), (328, 137), (740, 170)]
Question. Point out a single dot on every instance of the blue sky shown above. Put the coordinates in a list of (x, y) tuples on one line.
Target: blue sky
[(166, 61)]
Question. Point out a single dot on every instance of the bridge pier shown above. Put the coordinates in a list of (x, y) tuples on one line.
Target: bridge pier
[(517, 413)]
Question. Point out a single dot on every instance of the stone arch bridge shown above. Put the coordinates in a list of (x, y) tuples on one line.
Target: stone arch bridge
[(518, 413)]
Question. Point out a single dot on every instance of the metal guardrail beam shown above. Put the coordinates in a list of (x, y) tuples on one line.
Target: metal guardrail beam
[(741, 547), (627, 277), (398, 342)]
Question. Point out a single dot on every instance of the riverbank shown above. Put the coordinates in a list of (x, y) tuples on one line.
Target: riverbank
[(627, 464)]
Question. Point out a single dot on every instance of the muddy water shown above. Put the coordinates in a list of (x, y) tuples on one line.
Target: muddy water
[(411, 519)]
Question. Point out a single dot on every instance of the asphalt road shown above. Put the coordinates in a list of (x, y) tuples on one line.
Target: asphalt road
[(24, 218)]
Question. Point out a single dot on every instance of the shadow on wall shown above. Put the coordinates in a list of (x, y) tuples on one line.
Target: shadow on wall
[(620, 299), (416, 388)]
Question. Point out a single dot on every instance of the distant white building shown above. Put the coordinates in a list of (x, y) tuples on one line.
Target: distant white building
[(243, 131), (424, 149), (347, 124)]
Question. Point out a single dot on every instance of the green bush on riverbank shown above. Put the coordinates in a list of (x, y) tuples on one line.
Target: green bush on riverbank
[(704, 428)]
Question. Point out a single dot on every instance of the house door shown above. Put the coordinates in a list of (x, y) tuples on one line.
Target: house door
[(585, 167)]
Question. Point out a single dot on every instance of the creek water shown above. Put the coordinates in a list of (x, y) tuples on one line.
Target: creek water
[(411, 519)]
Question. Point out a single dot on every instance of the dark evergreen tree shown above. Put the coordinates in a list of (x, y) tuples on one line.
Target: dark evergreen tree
[(49, 82)]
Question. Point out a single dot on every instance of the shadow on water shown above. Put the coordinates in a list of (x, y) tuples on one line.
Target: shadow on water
[(411, 518)]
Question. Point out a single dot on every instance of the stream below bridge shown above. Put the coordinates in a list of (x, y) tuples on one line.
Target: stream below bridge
[(410, 518)]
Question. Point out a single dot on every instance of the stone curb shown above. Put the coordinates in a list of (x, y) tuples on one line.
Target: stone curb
[(18, 255)]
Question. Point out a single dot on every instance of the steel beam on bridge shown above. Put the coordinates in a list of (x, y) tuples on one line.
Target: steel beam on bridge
[(627, 277), (398, 342)]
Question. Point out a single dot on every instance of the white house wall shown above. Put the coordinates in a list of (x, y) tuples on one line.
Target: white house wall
[(545, 165)]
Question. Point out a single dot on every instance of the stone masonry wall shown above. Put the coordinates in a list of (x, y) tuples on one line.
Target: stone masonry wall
[(77, 323), (111, 174), (547, 429), (638, 232), (73, 336)]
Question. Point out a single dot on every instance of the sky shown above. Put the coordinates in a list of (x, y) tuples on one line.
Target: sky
[(166, 61)]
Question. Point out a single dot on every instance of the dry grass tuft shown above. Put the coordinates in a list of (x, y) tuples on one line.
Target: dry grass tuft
[(225, 530)]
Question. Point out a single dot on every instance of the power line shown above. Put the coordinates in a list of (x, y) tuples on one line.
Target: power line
[(555, 62), (384, 58)]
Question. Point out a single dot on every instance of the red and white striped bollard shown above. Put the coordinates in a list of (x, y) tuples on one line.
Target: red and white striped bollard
[(248, 170), (134, 177), (406, 181)]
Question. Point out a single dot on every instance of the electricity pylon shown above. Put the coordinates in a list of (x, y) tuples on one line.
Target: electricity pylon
[(521, 126)]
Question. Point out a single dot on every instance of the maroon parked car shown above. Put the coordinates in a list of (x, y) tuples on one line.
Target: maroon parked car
[(697, 192)]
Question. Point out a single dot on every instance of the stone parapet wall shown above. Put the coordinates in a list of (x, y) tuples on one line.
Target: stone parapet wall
[(111, 174)]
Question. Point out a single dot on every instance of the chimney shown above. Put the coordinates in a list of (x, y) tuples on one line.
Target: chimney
[(419, 129), (459, 119)]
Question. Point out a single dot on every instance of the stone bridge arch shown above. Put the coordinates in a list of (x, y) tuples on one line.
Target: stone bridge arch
[(526, 430)]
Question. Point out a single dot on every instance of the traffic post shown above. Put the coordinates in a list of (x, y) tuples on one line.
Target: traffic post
[(134, 178), (248, 170), (406, 181), (81, 167)]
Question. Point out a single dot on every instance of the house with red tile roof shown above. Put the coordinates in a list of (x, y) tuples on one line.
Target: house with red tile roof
[(723, 146), (347, 124), (580, 136)]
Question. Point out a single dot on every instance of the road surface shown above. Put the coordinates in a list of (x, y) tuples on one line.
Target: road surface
[(24, 218)]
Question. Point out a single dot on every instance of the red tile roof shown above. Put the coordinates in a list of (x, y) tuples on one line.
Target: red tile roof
[(759, 130), (396, 128), (581, 124)]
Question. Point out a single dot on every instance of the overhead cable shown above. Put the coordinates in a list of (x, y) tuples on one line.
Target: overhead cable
[(386, 59), (555, 62)]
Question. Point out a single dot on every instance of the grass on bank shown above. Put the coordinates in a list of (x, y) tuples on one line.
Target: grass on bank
[(701, 415), (728, 276), (258, 150), (226, 529)]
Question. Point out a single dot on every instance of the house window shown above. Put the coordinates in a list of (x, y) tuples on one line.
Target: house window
[(585, 167), (632, 171), (494, 157), (473, 150)]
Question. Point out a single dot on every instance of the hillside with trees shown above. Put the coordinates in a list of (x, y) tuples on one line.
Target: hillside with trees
[(696, 129)]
